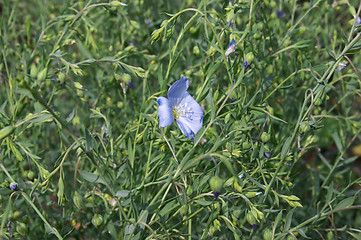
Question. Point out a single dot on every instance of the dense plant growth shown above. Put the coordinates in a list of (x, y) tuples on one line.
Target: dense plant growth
[(82, 152)]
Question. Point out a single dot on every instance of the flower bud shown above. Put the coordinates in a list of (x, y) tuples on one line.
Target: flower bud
[(267, 235), (246, 145), (60, 191), (318, 102), (21, 228), (237, 187), (256, 35), (30, 174), (249, 57), (270, 110), (292, 198), (260, 25), (117, 4), (229, 182), (273, 4), (237, 213), (217, 224), (33, 71), (169, 33), (78, 85), (97, 220), (251, 219), (304, 127), (157, 34), (61, 76), (352, 10), (126, 78), (6, 131), (14, 215), (73, 223), (265, 137), (216, 183), (196, 50), (78, 200), (217, 206), (42, 75), (212, 230), (252, 194), (183, 210), (13, 186), (330, 235), (189, 190)]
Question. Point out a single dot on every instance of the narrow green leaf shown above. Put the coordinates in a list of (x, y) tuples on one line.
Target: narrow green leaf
[(203, 202), (329, 193), (122, 193), (5, 191), (213, 69), (112, 231), (91, 177), (43, 117), (89, 144), (344, 38), (130, 153), (143, 218), (289, 220), (148, 117), (331, 53), (278, 219), (345, 203), (167, 208), (303, 234), (285, 148), (314, 74), (254, 181), (337, 140)]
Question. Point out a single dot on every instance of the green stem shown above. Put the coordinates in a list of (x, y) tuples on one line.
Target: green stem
[(6, 172), (317, 92), (53, 230), (298, 22), (214, 32), (318, 216)]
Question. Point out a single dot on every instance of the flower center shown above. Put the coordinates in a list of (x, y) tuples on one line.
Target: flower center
[(182, 111), (177, 112)]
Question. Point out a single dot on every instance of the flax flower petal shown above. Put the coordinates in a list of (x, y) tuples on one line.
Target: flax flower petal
[(192, 113), (165, 112), (177, 91), (183, 126)]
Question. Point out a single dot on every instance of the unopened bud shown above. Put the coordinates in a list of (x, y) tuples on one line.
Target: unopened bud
[(183, 210), (216, 183), (117, 4), (97, 220), (249, 57), (6, 131), (265, 137), (251, 219), (33, 71), (42, 75)]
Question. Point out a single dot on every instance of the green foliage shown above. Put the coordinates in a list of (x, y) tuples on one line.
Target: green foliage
[(79, 134)]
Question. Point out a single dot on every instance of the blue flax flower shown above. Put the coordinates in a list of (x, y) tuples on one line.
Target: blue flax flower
[(358, 22), (182, 107), (246, 65), (340, 66), (280, 14), (229, 23), (231, 48)]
